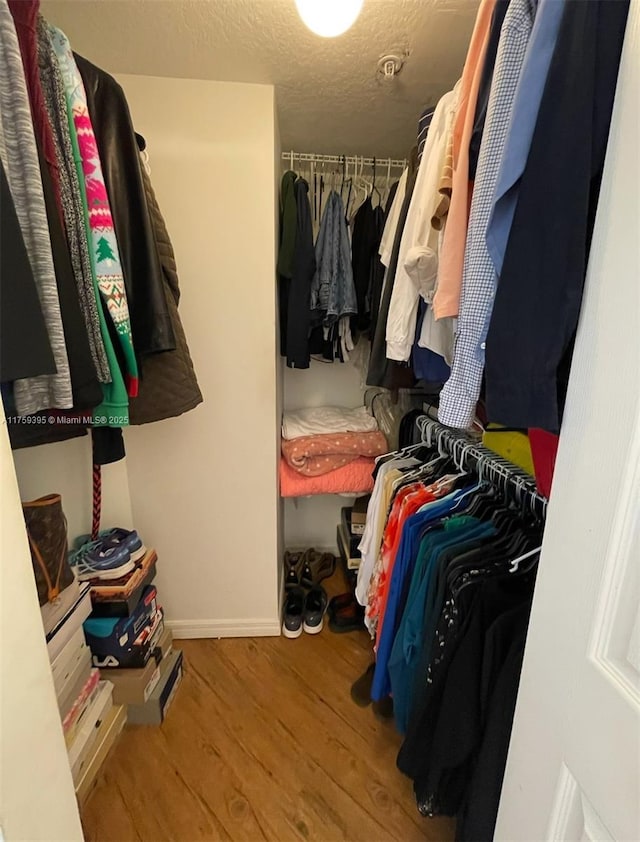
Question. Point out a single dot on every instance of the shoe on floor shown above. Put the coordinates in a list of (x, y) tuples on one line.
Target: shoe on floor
[(340, 602), (384, 708), (315, 606), (101, 560), (346, 615), (361, 688), (292, 562), (316, 566), (292, 614), (128, 538)]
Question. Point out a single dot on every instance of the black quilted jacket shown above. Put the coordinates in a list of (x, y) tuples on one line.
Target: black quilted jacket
[(168, 386)]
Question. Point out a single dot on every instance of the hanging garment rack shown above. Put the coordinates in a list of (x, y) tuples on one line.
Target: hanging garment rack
[(469, 454), (349, 160)]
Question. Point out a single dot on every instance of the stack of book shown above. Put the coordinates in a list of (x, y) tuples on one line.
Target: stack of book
[(91, 721), (130, 645)]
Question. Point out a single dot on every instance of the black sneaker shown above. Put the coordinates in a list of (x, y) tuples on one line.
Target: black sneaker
[(314, 608), (292, 613)]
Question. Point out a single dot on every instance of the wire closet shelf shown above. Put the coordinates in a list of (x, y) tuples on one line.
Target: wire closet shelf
[(468, 454), (349, 161)]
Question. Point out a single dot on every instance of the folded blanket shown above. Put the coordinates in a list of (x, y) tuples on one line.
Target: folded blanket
[(313, 456), (318, 420), (355, 478)]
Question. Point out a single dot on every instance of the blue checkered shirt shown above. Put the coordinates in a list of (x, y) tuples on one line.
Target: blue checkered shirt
[(460, 394)]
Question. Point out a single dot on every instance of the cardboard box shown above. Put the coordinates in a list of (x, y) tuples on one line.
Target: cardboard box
[(126, 641), (74, 685), (119, 598), (344, 545), (155, 709), (74, 721), (66, 662), (106, 737), (53, 612), (359, 514), (164, 646), (69, 624), (80, 748), (353, 540), (134, 686)]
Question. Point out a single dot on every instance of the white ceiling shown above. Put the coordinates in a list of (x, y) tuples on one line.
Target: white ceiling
[(330, 98)]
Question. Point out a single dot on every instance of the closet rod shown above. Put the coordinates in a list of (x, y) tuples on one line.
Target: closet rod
[(467, 453), (350, 160)]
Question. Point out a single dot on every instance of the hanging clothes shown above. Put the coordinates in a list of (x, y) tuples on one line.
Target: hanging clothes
[(333, 294), (448, 608), (522, 124), (426, 364), (20, 160), (25, 16), (73, 211), (382, 371), (460, 393), (286, 246), (379, 267), (61, 425), (484, 88), (286, 249), (104, 246), (546, 256), (168, 386), (447, 296), (24, 342), (151, 324), (418, 256), (364, 247), (303, 267), (424, 122), (86, 390)]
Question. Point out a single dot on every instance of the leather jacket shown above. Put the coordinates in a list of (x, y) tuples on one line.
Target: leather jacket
[(151, 325)]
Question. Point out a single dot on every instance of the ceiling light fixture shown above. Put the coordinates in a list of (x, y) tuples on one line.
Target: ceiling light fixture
[(329, 18)]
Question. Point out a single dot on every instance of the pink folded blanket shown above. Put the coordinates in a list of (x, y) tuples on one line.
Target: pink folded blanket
[(314, 456), (350, 479)]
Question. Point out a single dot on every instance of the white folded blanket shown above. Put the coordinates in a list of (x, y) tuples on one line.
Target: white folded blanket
[(317, 420)]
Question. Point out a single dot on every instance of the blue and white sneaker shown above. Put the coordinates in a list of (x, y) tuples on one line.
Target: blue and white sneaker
[(118, 536), (128, 538), (101, 560)]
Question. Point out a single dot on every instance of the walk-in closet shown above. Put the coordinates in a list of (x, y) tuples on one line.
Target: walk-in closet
[(320, 469)]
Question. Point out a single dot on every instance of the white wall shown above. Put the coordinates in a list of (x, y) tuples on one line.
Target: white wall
[(280, 367), (312, 521), (37, 800), (66, 468), (204, 486)]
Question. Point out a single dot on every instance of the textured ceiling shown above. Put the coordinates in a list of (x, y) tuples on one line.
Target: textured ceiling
[(330, 98)]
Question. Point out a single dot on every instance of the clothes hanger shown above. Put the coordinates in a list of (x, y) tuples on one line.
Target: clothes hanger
[(321, 191), (515, 564), (387, 190), (374, 189)]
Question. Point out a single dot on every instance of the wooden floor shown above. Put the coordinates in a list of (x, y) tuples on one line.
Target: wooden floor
[(262, 742)]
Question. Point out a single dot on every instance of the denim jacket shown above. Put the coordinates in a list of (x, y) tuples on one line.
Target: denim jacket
[(333, 292)]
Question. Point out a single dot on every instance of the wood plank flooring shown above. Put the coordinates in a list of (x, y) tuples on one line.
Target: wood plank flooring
[(262, 742)]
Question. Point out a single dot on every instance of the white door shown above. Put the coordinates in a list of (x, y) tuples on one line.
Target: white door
[(573, 768)]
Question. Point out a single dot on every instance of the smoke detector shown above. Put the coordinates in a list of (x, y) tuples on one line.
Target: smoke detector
[(390, 65)]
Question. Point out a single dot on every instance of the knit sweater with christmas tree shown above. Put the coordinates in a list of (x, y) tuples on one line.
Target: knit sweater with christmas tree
[(114, 409), (102, 236)]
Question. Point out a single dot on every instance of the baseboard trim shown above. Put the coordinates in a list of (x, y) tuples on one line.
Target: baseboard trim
[(187, 629)]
